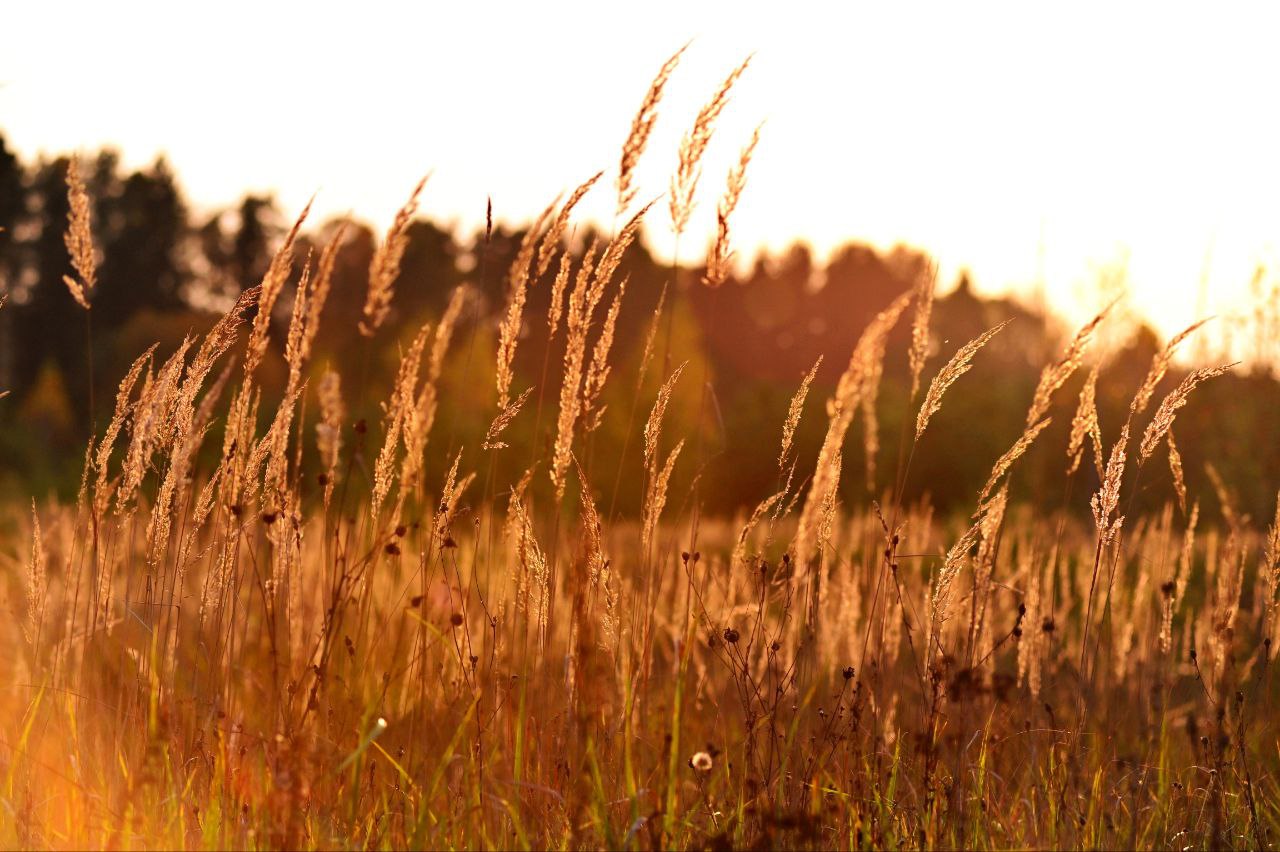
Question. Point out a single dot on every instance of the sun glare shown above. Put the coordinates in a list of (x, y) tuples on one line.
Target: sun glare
[(1030, 145)]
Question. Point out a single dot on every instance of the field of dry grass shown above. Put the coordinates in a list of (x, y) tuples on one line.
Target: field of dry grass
[(262, 626)]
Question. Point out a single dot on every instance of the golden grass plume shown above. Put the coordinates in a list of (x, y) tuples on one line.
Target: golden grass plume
[(641, 127), (384, 268), (79, 238), (960, 363), (684, 183)]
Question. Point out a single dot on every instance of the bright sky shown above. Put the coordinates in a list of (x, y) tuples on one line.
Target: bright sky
[(1020, 141)]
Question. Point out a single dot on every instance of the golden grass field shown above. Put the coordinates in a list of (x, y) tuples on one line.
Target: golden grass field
[(261, 625)]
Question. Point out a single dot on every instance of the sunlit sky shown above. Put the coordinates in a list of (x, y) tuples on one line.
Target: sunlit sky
[(1021, 141)]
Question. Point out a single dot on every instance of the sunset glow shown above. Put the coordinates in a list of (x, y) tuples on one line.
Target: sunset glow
[(600, 425), (1027, 145)]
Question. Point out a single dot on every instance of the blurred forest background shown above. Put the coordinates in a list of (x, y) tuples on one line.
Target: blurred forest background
[(166, 272)]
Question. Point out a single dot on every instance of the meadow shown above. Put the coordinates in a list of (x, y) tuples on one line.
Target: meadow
[(266, 623)]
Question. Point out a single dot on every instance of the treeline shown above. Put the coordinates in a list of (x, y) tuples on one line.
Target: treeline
[(165, 272)]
